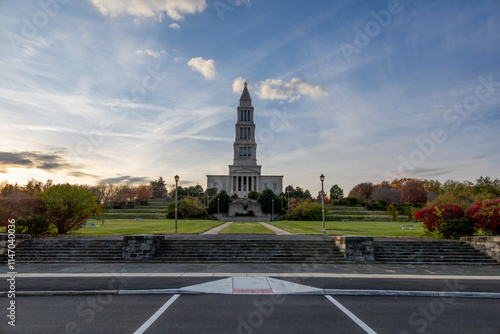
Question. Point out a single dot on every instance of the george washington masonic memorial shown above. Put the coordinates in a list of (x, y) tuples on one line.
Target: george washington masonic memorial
[(244, 174)]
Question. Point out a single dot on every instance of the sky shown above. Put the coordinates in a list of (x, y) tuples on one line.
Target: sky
[(126, 91)]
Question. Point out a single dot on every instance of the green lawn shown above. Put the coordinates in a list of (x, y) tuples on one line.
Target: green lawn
[(246, 228), (147, 226), (374, 229)]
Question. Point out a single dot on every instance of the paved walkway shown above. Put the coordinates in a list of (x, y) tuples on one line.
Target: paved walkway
[(217, 229), (276, 230)]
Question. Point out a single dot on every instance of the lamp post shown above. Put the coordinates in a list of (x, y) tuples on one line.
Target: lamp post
[(322, 178), (272, 211), (218, 201), (176, 181)]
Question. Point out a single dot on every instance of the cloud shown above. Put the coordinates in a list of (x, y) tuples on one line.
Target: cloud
[(205, 67), (81, 174), (32, 160), (174, 26), (277, 89), (175, 9), (178, 59), (127, 179), (238, 85), (154, 54)]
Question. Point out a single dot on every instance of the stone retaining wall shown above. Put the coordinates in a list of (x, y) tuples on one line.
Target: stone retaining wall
[(4, 240), (140, 247), (355, 248), (487, 245), (244, 219)]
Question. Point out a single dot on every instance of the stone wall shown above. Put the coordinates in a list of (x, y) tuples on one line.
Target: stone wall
[(4, 241), (355, 248), (487, 245), (245, 219), (140, 247)]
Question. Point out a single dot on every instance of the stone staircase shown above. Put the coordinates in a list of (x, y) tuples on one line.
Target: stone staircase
[(428, 252), (248, 251), (69, 251)]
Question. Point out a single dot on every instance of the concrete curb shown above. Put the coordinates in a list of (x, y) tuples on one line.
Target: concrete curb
[(332, 292), (63, 293)]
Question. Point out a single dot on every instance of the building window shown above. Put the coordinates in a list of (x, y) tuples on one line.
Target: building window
[(224, 186), (241, 116), (244, 153), (265, 185), (274, 186), (215, 185), (245, 133), (241, 152), (241, 133), (249, 153)]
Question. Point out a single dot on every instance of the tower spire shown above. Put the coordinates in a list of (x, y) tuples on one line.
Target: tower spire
[(245, 99)]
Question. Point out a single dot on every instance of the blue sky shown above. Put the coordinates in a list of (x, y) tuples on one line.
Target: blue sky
[(126, 91)]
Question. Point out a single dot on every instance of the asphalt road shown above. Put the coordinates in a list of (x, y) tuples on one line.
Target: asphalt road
[(251, 313)]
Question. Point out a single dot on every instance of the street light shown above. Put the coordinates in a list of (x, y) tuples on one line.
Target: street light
[(322, 178), (272, 210), (218, 201), (176, 180)]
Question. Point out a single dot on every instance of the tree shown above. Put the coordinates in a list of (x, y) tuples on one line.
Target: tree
[(336, 192), (266, 201), (413, 192), (68, 207), (307, 195), (219, 203), (389, 195), (159, 188), (19, 208), (253, 195), (362, 191), (143, 193)]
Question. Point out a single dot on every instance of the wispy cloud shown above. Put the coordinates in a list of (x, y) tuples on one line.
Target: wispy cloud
[(277, 89), (154, 54), (150, 9)]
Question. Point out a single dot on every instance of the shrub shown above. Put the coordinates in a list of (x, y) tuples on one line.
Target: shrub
[(253, 195), (188, 208), (307, 211), (486, 215), (351, 201), (34, 225), (341, 201), (455, 228), (433, 217), (377, 205)]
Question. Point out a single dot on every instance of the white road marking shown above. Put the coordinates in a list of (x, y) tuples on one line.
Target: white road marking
[(351, 315), (155, 316)]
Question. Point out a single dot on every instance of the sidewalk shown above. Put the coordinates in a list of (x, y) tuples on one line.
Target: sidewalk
[(359, 270)]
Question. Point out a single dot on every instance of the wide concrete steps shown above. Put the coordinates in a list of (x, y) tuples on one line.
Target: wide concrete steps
[(69, 251), (428, 252), (248, 251)]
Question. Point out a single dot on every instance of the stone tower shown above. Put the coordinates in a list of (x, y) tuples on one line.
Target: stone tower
[(244, 174)]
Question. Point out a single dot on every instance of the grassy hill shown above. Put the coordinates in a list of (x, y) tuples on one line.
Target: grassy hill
[(357, 213), (156, 209)]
